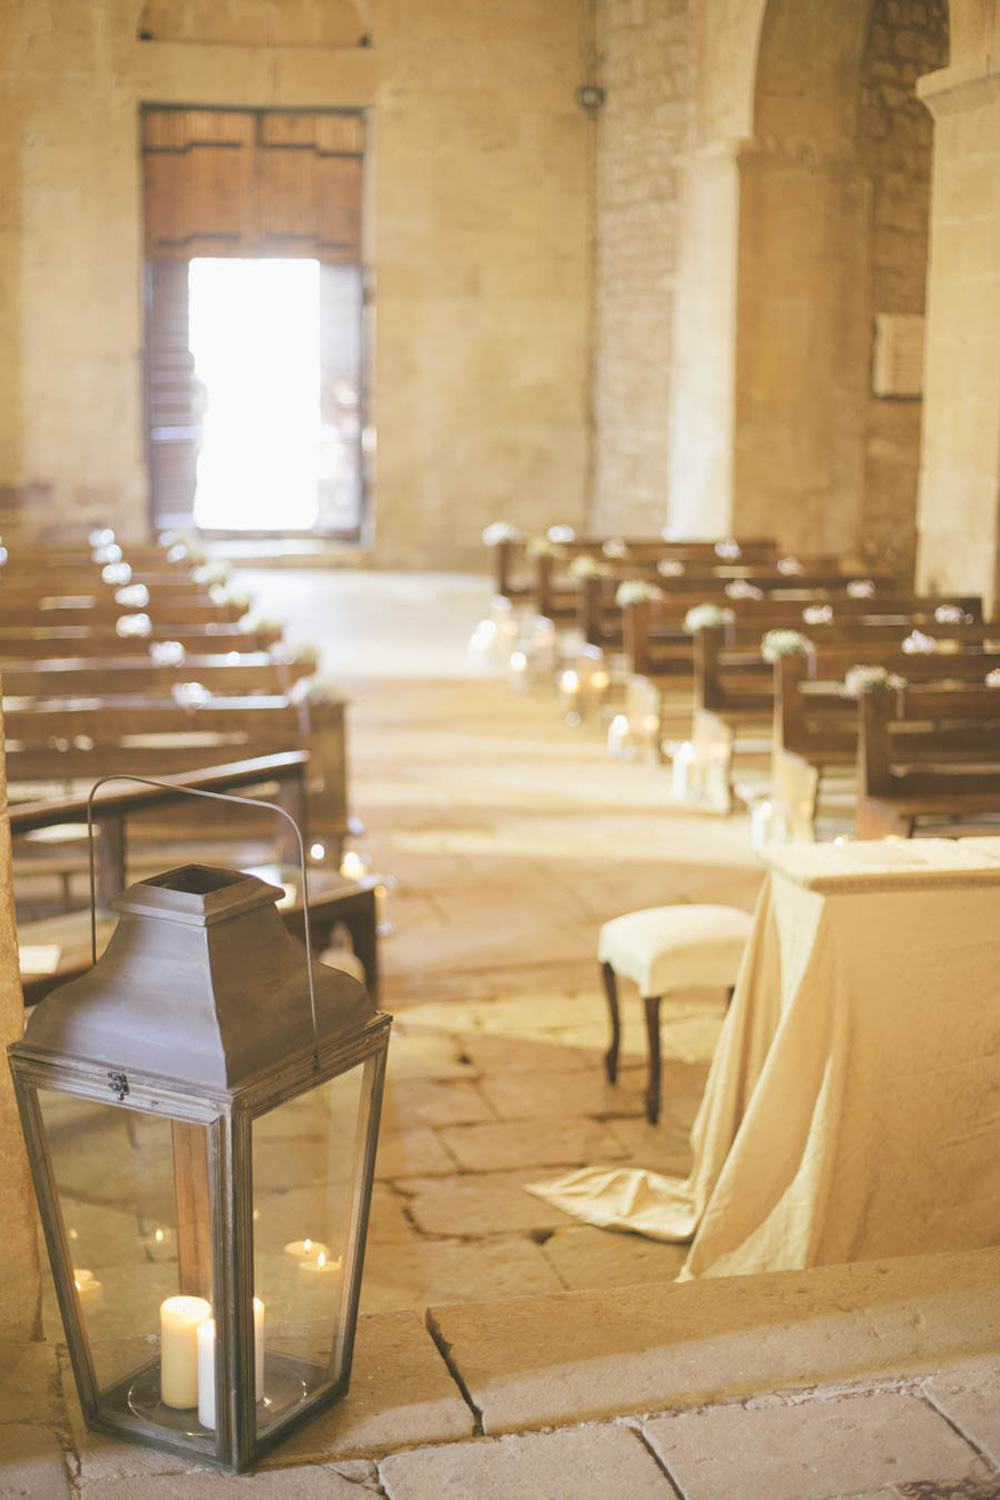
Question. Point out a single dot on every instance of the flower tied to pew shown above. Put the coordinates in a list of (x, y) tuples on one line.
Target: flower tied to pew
[(728, 550), (249, 624), (818, 614), (132, 596), (191, 695), (993, 678), (167, 653), (952, 614), (778, 643), (918, 644), (220, 595), (313, 691), (706, 617), (861, 588), (209, 573), (540, 546), (636, 591), (498, 532), (790, 567), (740, 588), (670, 567), (870, 679), (118, 574), (615, 546), (127, 625), (585, 566), (561, 534)]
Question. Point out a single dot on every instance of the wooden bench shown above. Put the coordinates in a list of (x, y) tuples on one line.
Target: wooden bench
[(44, 642), (332, 900), (927, 752), (87, 676), (71, 740), (816, 722)]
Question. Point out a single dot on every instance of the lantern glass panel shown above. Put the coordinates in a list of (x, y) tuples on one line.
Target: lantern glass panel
[(305, 1173), (133, 1193)]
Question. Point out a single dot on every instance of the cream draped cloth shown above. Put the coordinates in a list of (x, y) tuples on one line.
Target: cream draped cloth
[(852, 1110)]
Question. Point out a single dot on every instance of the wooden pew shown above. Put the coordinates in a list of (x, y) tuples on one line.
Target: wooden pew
[(45, 642), (221, 674), (71, 740), (816, 723), (332, 899), (927, 752)]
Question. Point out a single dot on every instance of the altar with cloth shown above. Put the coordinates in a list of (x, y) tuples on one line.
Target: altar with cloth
[(852, 1110)]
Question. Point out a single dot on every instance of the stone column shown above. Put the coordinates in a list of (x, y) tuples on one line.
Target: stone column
[(20, 1283), (704, 340), (959, 498)]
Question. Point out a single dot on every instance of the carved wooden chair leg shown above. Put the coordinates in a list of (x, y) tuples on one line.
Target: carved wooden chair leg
[(652, 1006), (611, 990)]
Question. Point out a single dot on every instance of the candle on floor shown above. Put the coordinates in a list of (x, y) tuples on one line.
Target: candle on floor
[(351, 866), (206, 1363), (179, 1320), (306, 1250), (88, 1288), (618, 736), (321, 1266)]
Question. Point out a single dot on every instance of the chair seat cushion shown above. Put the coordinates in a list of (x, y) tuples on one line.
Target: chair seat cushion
[(665, 948)]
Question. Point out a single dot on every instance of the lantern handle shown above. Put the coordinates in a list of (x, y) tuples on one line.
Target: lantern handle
[(191, 791)]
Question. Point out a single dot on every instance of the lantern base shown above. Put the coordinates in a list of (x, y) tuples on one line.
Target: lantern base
[(288, 1382)]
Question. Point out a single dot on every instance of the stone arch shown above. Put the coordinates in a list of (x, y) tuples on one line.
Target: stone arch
[(815, 458)]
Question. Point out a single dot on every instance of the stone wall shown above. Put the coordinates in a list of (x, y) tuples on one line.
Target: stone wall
[(647, 69), (906, 38), (478, 233)]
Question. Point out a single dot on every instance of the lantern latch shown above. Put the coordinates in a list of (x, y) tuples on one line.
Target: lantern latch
[(118, 1084)]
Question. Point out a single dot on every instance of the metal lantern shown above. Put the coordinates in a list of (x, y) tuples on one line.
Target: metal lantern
[(201, 1112)]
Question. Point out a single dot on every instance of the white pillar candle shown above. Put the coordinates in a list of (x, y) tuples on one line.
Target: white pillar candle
[(206, 1373), (206, 1363), (179, 1319)]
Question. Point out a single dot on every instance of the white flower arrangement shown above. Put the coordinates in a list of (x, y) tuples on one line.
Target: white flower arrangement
[(101, 536), (951, 614), (116, 573), (706, 617), (777, 643), (861, 588), (209, 573), (313, 691), (111, 553), (190, 694), (993, 678), (585, 566), (221, 595), (615, 547), (636, 591), (177, 552), (818, 614), (670, 567), (132, 596), (560, 534), (729, 550), (167, 653), (872, 679), (500, 531), (790, 567), (918, 644), (249, 624), (740, 588), (127, 625), (540, 546), (306, 656)]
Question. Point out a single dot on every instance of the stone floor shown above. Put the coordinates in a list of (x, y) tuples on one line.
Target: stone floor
[(557, 1360)]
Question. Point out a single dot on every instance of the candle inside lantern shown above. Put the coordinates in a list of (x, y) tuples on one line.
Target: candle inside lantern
[(206, 1363), (351, 866), (179, 1320), (517, 674), (618, 736)]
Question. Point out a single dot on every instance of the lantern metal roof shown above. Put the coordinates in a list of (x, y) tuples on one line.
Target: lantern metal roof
[(201, 983)]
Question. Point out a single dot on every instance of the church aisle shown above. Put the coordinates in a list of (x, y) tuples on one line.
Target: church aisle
[(513, 838)]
